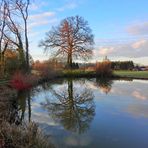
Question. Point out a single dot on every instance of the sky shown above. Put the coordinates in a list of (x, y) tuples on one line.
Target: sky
[(120, 27)]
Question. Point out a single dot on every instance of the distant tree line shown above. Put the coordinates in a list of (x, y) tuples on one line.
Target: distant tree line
[(115, 65), (122, 65), (73, 66)]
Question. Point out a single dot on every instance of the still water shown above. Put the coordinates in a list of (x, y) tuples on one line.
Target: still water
[(89, 113)]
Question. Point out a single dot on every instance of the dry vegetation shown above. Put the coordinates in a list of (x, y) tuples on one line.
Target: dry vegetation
[(103, 69), (47, 69), (6, 98), (24, 136), (13, 135)]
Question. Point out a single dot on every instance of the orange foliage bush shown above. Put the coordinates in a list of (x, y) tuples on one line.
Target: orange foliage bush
[(46, 69), (103, 69)]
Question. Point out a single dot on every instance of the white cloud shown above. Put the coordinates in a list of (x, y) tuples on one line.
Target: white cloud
[(71, 5), (41, 19), (105, 51), (35, 24), (41, 23), (37, 5), (138, 29), (41, 16), (133, 49), (139, 44)]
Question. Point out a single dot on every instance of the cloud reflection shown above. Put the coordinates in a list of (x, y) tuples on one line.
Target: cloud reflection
[(73, 107)]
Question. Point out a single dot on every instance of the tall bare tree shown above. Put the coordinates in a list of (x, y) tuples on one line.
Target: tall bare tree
[(72, 38), (4, 42), (22, 6), (16, 24)]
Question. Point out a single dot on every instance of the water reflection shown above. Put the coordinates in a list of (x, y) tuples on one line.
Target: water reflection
[(12, 115), (65, 109), (105, 85), (24, 104), (10, 109), (73, 107)]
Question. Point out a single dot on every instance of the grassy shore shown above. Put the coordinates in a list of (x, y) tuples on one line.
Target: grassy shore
[(90, 74), (116, 74), (131, 74)]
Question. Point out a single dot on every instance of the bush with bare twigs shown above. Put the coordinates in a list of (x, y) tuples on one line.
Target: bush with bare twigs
[(23, 136), (103, 69), (46, 69)]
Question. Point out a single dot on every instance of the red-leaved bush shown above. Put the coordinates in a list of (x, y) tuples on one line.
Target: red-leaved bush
[(22, 81)]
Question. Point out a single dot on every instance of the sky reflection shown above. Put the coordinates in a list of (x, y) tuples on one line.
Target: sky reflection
[(93, 113)]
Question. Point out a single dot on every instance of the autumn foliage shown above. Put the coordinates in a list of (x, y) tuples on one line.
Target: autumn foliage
[(22, 81), (47, 69), (103, 69)]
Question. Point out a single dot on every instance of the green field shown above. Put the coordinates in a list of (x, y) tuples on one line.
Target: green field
[(132, 74), (120, 73)]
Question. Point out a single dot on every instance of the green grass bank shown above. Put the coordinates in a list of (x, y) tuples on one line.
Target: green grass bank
[(131, 74)]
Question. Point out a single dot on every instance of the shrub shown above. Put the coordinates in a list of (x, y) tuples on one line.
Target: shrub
[(45, 69), (22, 81), (7, 96), (103, 69), (23, 136)]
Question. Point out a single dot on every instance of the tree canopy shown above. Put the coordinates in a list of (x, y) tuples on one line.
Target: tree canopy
[(72, 38)]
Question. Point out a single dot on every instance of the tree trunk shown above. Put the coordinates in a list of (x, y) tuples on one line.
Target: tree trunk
[(70, 94), (69, 59), (2, 64), (27, 46)]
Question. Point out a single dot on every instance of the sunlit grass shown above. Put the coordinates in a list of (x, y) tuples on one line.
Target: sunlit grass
[(132, 74)]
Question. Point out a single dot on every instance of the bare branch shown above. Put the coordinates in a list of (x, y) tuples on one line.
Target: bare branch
[(72, 37)]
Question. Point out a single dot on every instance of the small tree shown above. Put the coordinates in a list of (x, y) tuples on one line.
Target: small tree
[(72, 38)]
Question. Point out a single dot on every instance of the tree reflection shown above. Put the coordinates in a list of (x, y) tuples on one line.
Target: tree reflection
[(105, 85), (24, 98), (73, 107)]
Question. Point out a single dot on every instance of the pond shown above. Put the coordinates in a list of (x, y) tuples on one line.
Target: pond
[(91, 113)]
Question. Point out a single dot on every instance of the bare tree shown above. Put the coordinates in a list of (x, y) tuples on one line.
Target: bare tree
[(22, 6), (17, 16), (72, 38), (4, 42)]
